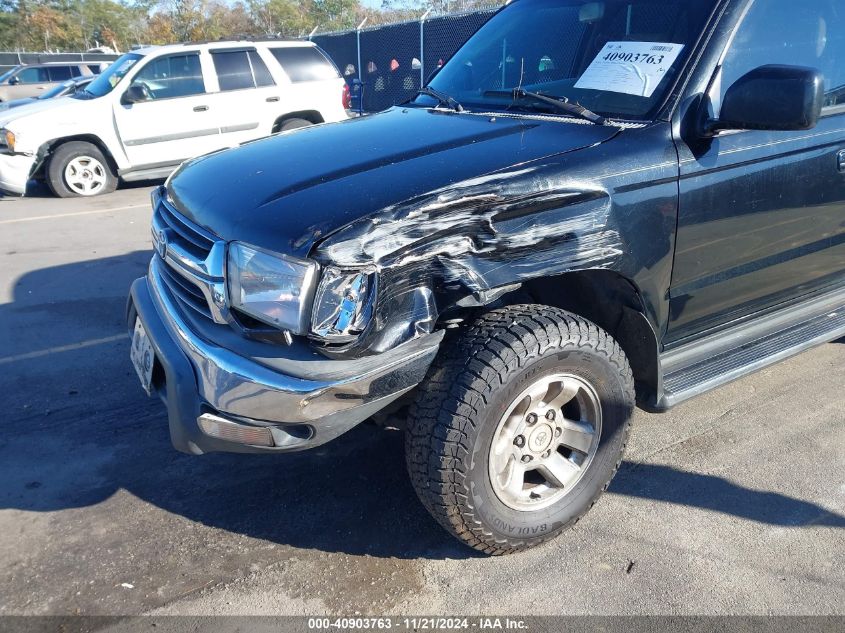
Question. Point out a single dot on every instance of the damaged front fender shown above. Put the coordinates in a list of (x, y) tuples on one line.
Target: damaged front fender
[(467, 244)]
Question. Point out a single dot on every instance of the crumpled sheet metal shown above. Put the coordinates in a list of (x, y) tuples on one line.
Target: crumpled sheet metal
[(469, 238)]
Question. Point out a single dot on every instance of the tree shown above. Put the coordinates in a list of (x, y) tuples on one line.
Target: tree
[(278, 17)]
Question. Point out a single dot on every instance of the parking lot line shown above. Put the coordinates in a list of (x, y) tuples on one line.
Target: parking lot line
[(77, 213), (62, 348)]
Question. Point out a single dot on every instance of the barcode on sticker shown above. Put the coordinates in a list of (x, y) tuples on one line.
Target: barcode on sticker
[(661, 48)]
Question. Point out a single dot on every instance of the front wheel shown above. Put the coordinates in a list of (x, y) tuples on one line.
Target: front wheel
[(519, 427), (78, 168)]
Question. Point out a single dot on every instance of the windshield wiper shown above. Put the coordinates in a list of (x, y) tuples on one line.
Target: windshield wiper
[(442, 98), (561, 104)]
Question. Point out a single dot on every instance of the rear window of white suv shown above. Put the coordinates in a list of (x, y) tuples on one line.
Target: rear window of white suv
[(304, 63), (240, 69)]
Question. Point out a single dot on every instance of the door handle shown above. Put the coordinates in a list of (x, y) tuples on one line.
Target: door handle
[(200, 108), (272, 99), (840, 160)]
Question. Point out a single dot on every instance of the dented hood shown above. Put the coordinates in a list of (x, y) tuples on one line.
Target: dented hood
[(286, 192)]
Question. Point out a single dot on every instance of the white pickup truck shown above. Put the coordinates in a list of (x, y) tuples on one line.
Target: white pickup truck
[(156, 107)]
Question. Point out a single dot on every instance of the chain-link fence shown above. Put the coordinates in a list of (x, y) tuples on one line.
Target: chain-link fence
[(386, 65), (10, 60)]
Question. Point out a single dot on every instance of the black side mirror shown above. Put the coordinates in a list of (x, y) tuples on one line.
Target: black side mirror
[(14, 81), (136, 93), (774, 98)]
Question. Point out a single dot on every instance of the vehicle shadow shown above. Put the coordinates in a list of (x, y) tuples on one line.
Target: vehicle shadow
[(78, 429), (717, 494), (40, 189)]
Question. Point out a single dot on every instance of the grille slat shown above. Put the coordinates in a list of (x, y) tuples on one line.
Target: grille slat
[(190, 235), (197, 245), (185, 292)]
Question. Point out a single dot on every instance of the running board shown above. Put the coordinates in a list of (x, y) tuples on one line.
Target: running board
[(723, 357)]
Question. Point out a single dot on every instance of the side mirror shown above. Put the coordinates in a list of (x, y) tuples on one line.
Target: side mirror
[(136, 93), (773, 98), (14, 81)]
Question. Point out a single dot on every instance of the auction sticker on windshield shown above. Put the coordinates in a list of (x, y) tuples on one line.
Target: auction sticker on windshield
[(634, 68)]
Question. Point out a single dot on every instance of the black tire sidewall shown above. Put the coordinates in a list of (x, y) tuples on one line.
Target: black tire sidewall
[(286, 126), (512, 525), (62, 155)]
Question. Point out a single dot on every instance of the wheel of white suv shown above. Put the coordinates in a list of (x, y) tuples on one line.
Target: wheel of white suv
[(78, 168), (290, 124), (519, 427)]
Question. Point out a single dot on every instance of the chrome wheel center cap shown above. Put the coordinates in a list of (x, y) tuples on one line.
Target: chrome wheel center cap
[(541, 438)]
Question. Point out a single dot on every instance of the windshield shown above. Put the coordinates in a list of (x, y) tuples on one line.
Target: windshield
[(111, 76), (8, 74), (58, 90), (618, 57)]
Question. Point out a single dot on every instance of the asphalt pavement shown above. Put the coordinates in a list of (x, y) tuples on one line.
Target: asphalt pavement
[(733, 503)]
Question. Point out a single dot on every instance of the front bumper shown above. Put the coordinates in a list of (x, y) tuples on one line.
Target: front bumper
[(195, 377), (15, 170)]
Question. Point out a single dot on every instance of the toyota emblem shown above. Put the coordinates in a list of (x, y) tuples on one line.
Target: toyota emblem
[(162, 244)]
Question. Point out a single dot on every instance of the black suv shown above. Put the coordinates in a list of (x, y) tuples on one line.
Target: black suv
[(592, 204)]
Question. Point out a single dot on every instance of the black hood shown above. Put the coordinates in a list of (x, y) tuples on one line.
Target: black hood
[(286, 192)]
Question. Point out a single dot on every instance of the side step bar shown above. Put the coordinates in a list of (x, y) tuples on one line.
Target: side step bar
[(723, 357)]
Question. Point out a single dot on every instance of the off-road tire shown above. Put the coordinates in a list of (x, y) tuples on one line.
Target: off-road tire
[(467, 391), (64, 154)]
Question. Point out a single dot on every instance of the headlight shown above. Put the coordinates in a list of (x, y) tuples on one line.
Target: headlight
[(275, 289), (343, 304), (9, 138)]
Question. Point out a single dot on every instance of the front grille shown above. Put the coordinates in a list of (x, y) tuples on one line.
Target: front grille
[(189, 236), (187, 293), (192, 259)]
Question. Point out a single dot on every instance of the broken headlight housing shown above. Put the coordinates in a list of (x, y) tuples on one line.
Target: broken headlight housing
[(272, 288), (343, 305)]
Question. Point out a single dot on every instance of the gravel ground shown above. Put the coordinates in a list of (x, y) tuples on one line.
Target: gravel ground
[(731, 504)]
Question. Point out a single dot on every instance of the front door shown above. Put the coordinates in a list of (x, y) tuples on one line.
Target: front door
[(28, 82), (762, 214), (174, 121)]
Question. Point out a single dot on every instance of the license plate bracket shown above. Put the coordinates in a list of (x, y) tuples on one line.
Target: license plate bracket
[(143, 356)]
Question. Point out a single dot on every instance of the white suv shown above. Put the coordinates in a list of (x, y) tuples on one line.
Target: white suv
[(156, 107)]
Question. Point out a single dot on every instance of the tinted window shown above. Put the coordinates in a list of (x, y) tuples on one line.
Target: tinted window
[(59, 73), (173, 76), (33, 75), (259, 69), (303, 63), (233, 70), (808, 33)]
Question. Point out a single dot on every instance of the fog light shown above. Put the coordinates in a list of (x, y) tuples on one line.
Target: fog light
[(215, 426)]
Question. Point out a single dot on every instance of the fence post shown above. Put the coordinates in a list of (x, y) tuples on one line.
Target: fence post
[(422, 47), (358, 38)]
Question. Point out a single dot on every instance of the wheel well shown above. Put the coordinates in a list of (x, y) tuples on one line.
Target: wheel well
[(614, 304), (49, 147), (308, 115)]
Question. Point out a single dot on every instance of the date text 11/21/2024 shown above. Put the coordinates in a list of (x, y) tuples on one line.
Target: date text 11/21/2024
[(424, 623)]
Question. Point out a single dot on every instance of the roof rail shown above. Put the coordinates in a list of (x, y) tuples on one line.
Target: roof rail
[(245, 38)]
